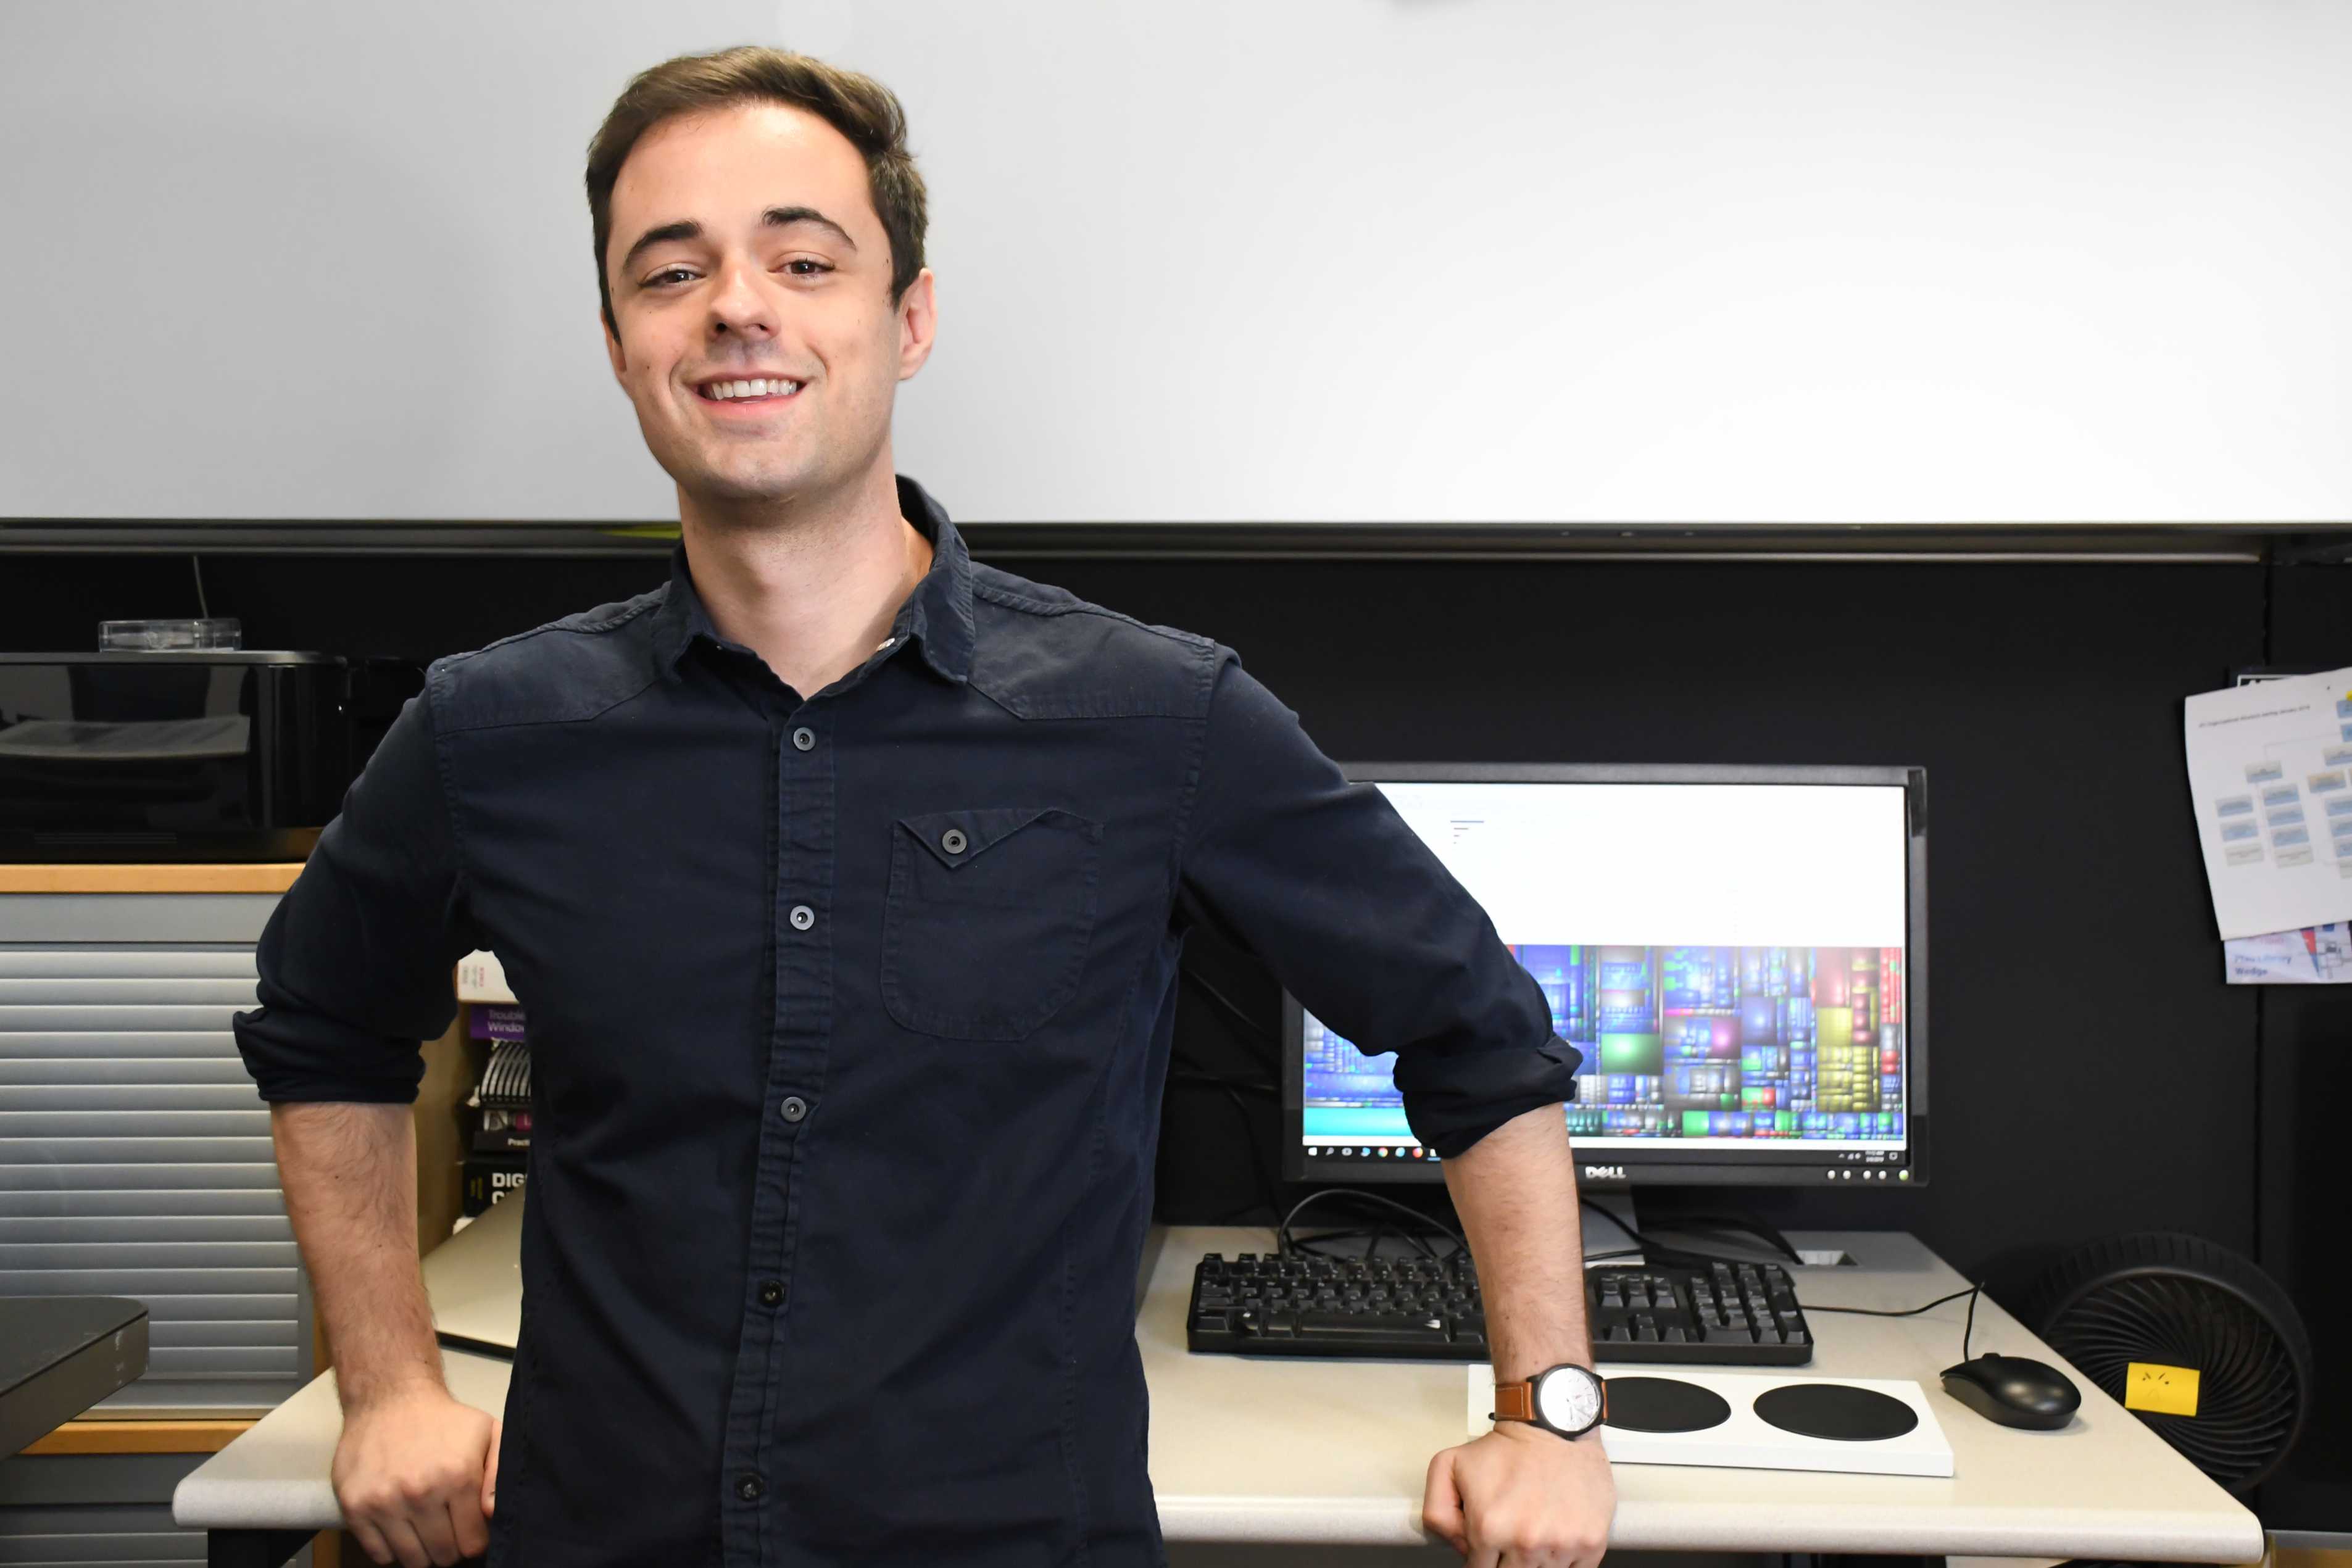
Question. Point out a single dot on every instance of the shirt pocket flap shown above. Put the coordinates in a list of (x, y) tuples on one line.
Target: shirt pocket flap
[(958, 837)]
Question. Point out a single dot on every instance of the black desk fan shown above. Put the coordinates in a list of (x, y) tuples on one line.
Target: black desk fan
[(2170, 1302)]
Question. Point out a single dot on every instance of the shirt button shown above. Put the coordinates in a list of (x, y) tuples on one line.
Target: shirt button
[(794, 1108), (804, 738), (803, 917), (748, 1487), (772, 1292), (952, 841)]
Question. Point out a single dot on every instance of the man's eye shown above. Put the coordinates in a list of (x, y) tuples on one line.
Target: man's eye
[(667, 274), (806, 266)]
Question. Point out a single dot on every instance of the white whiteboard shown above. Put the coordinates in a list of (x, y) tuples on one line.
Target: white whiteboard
[(1313, 260)]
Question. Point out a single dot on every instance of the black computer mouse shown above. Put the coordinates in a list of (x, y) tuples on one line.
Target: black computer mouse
[(2014, 1391)]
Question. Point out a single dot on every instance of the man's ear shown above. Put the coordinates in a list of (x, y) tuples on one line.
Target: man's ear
[(919, 323), (613, 351)]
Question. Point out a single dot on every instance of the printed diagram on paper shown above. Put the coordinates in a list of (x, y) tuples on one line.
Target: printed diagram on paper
[(2314, 955), (2269, 768)]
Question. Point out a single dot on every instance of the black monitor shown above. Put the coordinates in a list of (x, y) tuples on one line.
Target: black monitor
[(1739, 953)]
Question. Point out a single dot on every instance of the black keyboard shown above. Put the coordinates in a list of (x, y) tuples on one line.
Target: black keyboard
[(1729, 1314)]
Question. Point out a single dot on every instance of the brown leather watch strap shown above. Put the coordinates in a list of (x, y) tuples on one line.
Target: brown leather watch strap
[(1514, 1401)]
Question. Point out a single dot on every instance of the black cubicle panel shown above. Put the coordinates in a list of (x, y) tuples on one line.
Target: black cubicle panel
[(2303, 1062), (2092, 1075)]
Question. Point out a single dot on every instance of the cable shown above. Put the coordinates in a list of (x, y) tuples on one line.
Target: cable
[(1967, 1332), (1658, 1252), (1901, 1310), (1728, 1219), (1282, 1231), (1231, 1005), (1311, 1246), (1188, 1078), (1897, 1312), (1182, 1071), (197, 564)]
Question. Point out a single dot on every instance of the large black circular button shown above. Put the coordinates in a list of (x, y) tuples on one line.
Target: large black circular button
[(748, 1487), (772, 1292), (1838, 1411), (1664, 1405)]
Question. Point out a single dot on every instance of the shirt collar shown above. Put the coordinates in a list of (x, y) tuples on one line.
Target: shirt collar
[(936, 618)]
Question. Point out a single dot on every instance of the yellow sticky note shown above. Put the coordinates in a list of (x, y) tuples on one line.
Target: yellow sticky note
[(2162, 1390)]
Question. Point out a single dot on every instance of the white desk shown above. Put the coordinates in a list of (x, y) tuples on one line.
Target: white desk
[(1334, 1452)]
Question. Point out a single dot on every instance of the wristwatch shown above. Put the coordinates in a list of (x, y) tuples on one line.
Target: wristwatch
[(1568, 1399)]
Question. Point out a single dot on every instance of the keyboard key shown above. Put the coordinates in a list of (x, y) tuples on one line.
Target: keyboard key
[(1374, 1328)]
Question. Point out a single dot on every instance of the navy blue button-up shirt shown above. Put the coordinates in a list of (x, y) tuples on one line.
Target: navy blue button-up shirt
[(849, 1014)]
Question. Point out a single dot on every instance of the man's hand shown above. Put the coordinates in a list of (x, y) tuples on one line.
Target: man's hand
[(1521, 1497), (417, 1474)]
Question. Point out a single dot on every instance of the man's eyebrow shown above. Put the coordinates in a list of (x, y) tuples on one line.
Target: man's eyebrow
[(661, 234), (779, 217)]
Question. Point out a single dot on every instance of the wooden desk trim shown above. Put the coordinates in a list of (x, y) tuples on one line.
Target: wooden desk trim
[(258, 876), (140, 1437)]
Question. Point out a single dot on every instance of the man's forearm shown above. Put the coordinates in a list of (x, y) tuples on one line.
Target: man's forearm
[(350, 1176), (1516, 1191)]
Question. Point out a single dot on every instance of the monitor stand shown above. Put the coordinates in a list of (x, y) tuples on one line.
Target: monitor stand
[(1613, 1228), (1602, 1237)]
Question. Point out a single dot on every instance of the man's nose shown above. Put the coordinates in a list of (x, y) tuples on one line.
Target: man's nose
[(739, 307)]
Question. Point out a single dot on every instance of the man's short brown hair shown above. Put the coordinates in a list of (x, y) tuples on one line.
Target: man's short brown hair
[(858, 106)]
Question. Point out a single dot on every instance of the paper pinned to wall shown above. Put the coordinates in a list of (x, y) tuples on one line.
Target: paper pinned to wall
[(2314, 955), (2270, 769)]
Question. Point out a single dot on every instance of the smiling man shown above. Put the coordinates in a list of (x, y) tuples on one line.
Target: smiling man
[(842, 879)]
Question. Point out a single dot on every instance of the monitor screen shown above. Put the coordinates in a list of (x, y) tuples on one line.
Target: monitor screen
[(1737, 953)]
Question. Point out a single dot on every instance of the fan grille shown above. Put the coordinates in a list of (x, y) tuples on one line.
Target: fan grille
[(2181, 1301)]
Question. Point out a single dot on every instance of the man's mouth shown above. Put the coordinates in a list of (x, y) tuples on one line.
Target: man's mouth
[(757, 388)]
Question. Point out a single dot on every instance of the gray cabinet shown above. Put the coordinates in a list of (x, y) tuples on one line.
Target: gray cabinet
[(97, 1510), (135, 1158)]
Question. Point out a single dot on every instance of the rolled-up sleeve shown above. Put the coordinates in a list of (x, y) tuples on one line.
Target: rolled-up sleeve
[(1358, 919), (355, 962)]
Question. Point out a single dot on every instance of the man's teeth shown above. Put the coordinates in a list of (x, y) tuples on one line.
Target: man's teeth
[(721, 390)]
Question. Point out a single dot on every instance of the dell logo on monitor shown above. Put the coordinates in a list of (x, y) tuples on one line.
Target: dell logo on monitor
[(1604, 1173)]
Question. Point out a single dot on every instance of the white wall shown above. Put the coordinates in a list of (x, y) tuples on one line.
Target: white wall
[(1477, 260)]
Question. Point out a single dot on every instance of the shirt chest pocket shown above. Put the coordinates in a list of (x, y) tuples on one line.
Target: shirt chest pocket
[(988, 919)]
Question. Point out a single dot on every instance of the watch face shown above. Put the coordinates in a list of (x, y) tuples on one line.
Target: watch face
[(1568, 1397)]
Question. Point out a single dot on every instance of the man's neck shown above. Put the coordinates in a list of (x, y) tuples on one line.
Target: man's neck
[(811, 588)]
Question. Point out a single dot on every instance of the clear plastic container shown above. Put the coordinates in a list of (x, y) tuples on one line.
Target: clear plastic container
[(168, 636)]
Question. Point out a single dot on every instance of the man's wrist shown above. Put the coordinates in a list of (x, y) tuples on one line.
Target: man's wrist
[(1527, 1369), (1528, 1431), (366, 1393)]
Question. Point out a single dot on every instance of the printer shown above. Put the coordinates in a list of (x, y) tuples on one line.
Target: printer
[(210, 754)]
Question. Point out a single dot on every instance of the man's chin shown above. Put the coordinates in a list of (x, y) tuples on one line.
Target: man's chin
[(734, 486)]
